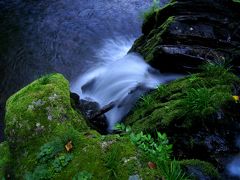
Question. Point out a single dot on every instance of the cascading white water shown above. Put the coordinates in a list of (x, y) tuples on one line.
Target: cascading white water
[(120, 78)]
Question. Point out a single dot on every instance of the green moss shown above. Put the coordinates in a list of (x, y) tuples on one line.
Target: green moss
[(40, 122), (207, 168), (38, 108), (183, 101), (155, 39), (147, 48), (4, 158), (33, 116)]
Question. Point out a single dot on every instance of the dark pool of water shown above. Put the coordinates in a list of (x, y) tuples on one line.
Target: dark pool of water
[(39, 37)]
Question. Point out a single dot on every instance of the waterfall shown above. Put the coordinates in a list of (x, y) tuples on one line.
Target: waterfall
[(121, 78)]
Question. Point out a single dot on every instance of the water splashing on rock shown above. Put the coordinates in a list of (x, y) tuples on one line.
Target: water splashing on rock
[(119, 79)]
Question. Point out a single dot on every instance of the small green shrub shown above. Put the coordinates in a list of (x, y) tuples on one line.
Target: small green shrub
[(172, 170), (62, 161), (156, 150), (39, 173), (49, 150), (83, 175), (122, 127), (204, 101), (51, 159)]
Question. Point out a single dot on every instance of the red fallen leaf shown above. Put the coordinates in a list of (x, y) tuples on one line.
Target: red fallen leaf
[(152, 165), (69, 146)]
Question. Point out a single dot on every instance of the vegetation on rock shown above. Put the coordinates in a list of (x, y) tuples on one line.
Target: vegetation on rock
[(178, 38), (190, 98), (40, 123), (47, 139)]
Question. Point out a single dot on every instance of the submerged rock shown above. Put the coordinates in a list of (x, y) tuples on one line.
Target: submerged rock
[(184, 34)]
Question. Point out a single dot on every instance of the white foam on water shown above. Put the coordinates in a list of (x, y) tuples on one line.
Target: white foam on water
[(120, 78)]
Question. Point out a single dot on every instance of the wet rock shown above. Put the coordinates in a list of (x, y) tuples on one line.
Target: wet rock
[(217, 139), (197, 173), (76, 98), (103, 110), (95, 115), (184, 34), (209, 133)]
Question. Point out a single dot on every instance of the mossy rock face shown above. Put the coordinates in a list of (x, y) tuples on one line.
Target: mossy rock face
[(199, 169), (197, 112), (33, 114), (110, 157), (47, 139), (38, 108), (178, 37), (182, 102)]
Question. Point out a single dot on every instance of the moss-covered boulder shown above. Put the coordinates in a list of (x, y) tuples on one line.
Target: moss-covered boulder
[(33, 114), (101, 157), (47, 139), (182, 102), (38, 108), (183, 34), (198, 113)]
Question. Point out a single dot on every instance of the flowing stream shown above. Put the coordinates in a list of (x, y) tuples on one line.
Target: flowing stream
[(119, 78), (65, 36), (40, 37)]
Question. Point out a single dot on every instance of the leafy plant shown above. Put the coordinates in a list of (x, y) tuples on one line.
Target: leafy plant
[(49, 150), (83, 175), (157, 150), (122, 127), (172, 170), (62, 161), (40, 172)]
